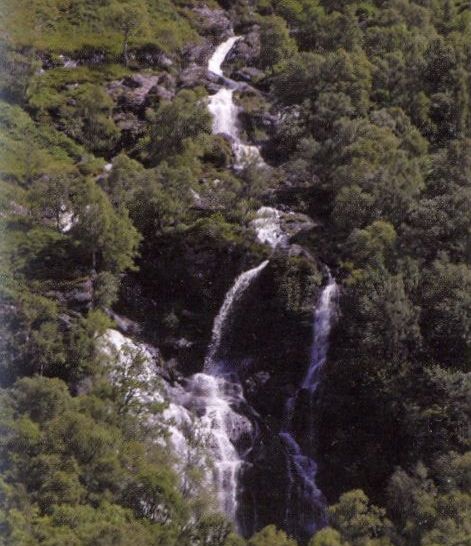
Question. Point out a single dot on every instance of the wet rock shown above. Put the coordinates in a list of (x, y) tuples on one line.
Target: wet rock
[(256, 382)]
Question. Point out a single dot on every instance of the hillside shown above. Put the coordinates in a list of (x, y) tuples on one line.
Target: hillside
[(236, 273)]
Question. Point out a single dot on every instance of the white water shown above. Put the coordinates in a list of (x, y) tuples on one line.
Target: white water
[(241, 284), (211, 398), (225, 112), (205, 407), (216, 60), (323, 320), (220, 390), (267, 226), (304, 500), (199, 416)]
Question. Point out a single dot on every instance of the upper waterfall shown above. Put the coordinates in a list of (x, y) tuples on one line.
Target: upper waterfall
[(217, 58), (225, 112), (238, 288)]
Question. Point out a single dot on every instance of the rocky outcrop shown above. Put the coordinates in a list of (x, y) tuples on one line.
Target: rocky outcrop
[(197, 53), (213, 22), (134, 92), (246, 51), (196, 75)]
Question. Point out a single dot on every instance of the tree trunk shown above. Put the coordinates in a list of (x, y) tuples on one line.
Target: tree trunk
[(126, 51)]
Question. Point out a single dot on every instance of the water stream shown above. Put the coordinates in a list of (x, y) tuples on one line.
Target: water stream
[(212, 402), (305, 503), (225, 112)]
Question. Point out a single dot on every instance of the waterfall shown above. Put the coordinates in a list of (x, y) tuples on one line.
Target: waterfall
[(323, 319), (305, 503), (225, 112), (240, 285), (267, 226), (221, 52)]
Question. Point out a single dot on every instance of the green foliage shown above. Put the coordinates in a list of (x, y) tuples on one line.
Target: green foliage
[(106, 234), (85, 477), (89, 120), (276, 43), (373, 141), (445, 289), (432, 511), (28, 151), (358, 522), (175, 124), (271, 536), (128, 19)]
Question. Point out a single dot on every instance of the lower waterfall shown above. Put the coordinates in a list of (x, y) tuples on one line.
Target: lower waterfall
[(213, 401), (305, 503)]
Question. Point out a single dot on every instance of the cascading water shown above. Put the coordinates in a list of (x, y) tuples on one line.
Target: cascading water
[(238, 288), (225, 112), (323, 319), (267, 226), (207, 398), (212, 402), (219, 55), (305, 503), (223, 391)]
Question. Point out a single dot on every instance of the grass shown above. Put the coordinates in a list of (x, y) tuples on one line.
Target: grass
[(71, 28)]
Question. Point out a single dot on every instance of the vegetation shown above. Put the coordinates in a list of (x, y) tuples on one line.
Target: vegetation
[(116, 202)]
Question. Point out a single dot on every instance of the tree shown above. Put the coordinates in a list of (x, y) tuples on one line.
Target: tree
[(446, 312), (128, 18), (276, 43), (105, 289), (175, 123), (271, 536), (50, 197), (358, 521), (373, 245), (327, 537), (107, 235), (87, 118)]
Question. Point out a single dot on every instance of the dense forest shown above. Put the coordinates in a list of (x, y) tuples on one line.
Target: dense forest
[(123, 210)]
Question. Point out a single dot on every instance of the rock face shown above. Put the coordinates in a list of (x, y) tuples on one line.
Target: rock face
[(246, 51), (196, 75), (248, 74), (213, 22)]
